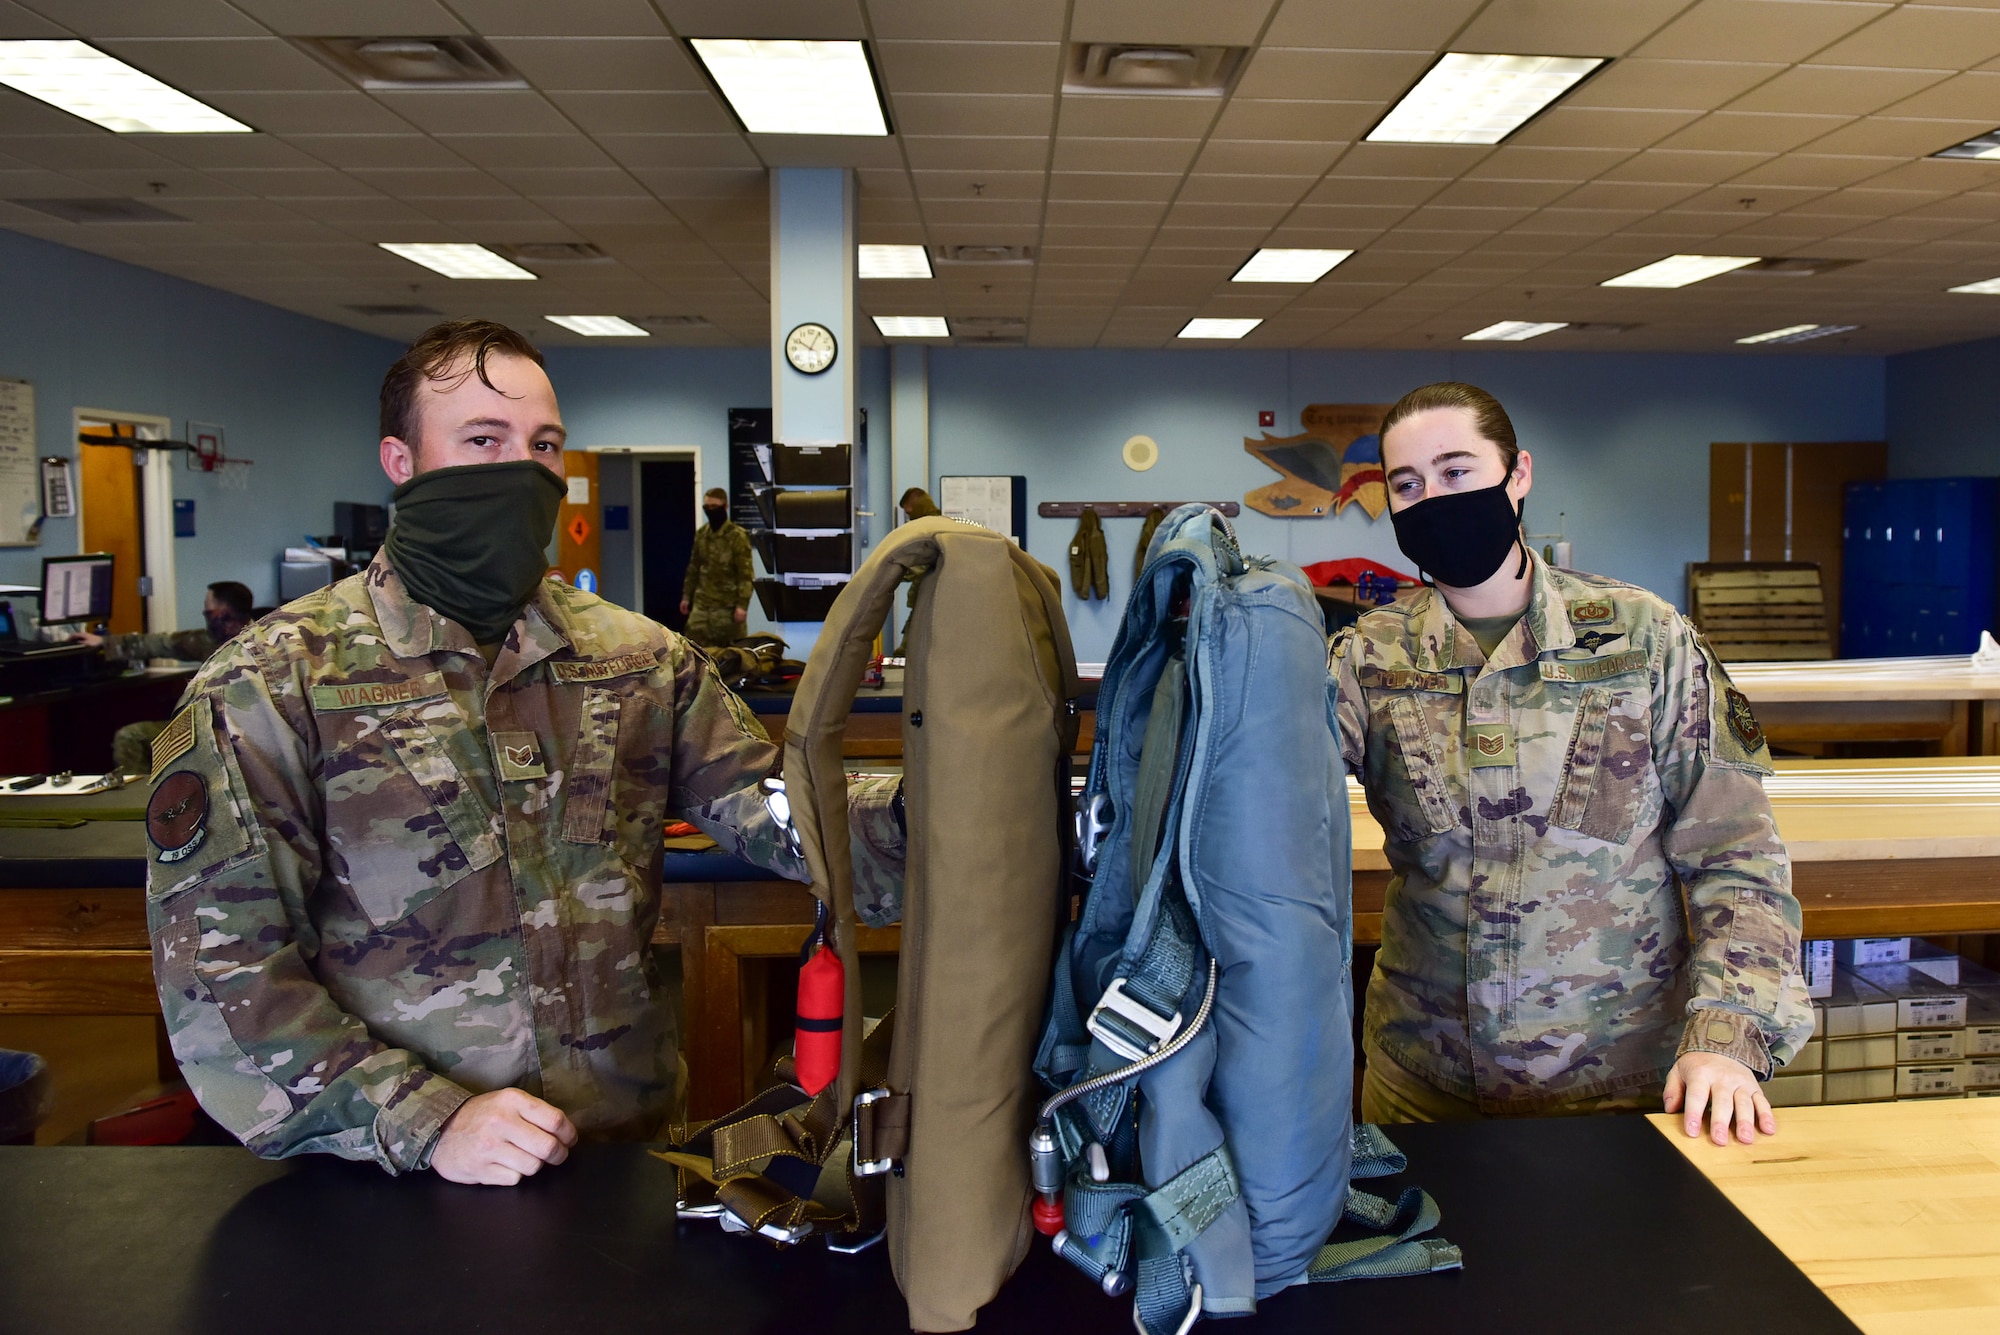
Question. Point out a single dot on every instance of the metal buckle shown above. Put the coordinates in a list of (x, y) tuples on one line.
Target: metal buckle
[(782, 1234), (1128, 1026), (1093, 822), (868, 1167), (780, 807), (713, 1210)]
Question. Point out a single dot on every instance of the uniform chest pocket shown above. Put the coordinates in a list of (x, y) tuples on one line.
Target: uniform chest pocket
[(1418, 797), (613, 798), (1608, 781), (402, 820)]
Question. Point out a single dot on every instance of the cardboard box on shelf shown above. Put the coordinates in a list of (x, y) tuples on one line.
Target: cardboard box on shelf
[(1811, 1057), (1922, 1081), (1816, 964), (1855, 1006), (1982, 1073), (1794, 1091), (1860, 952), (1917, 1046), (1861, 1054), (1922, 1002), (1860, 1086)]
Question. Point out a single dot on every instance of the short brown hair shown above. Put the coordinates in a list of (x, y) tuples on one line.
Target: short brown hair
[(432, 357), (1488, 417)]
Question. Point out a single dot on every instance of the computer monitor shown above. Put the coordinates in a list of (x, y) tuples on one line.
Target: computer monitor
[(76, 588)]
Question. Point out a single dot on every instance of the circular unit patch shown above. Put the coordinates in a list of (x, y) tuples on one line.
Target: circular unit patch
[(177, 817)]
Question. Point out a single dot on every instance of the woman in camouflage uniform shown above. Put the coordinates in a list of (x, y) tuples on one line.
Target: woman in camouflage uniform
[(1590, 908)]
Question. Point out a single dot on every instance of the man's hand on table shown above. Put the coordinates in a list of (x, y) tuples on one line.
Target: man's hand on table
[(1724, 1087), (496, 1139)]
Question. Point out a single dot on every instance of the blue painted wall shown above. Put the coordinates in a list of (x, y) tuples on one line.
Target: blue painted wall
[(1942, 417), (294, 394), (1620, 442)]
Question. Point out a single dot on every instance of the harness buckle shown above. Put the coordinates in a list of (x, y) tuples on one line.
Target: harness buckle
[(869, 1167), (1128, 1026), (783, 1234), (1093, 822), (780, 807)]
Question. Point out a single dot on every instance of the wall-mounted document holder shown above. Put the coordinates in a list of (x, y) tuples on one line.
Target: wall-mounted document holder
[(1124, 509)]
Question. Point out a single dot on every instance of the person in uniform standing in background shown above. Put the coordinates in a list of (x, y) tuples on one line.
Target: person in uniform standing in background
[(715, 596), (225, 610), (402, 889), (1555, 758)]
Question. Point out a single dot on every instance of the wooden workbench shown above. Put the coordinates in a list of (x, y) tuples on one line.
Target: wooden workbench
[(1939, 702), (1891, 1209)]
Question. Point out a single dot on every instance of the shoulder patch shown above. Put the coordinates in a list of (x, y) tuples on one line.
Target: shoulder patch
[(624, 665), (1591, 612), (1742, 721), (175, 740), (177, 816), (378, 694), (1592, 669)]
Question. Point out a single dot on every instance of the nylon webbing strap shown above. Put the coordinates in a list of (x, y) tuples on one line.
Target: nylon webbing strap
[(1374, 1154), (1393, 1253), (1158, 751), (1194, 1198)]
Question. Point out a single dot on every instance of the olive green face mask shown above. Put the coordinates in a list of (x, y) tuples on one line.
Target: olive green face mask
[(471, 542)]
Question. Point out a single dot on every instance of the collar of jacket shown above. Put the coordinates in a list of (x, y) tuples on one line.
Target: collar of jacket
[(1445, 646), (412, 630)]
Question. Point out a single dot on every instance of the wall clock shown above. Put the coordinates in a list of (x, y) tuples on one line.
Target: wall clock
[(810, 348)]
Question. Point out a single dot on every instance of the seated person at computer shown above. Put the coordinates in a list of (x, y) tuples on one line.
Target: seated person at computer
[(224, 611)]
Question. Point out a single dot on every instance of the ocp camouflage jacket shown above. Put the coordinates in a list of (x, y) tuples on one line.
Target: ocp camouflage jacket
[(719, 573), (385, 877), (1586, 876)]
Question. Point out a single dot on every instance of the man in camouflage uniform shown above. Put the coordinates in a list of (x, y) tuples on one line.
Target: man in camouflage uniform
[(404, 881), (225, 609), (715, 596)]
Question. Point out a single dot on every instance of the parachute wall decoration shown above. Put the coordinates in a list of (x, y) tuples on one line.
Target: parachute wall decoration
[(1335, 463)]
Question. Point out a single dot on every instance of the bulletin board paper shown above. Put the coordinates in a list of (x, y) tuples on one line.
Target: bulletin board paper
[(20, 466), (989, 502)]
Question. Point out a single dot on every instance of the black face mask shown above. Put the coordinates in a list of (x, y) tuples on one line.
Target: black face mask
[(1459, 538), (471, 542), (222, 627), (716, 517)]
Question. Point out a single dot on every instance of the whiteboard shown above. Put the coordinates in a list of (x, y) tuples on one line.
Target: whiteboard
[(20, 471)]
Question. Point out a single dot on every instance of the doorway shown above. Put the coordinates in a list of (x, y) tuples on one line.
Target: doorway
[(125, 506), (666, 509)]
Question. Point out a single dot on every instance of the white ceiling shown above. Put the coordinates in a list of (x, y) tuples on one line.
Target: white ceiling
[(1766, 127)]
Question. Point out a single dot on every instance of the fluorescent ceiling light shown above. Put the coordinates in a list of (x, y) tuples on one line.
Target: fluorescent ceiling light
[(1679, 270), (456, 260), (1985, 146), (1798, 333), (1985, 287), (913, 326), (781, 87), (80, 79), (1289, 266), (599, 326), (1476, 99), (894, 262), (1514, 331), (1211, 328)]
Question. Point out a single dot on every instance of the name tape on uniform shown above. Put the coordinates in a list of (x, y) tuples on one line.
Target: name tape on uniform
[(622, 666), (1593, 669), (1409, 679), (375, 694)]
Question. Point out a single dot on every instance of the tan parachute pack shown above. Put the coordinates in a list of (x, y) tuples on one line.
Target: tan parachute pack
[(940, 1117)]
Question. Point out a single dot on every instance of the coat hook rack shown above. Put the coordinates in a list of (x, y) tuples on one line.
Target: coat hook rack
[(1124, 509)]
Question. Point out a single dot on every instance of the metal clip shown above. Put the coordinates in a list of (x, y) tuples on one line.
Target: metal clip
[(713, 1210), (834, 1243), (868, 1167), (782, 1234), (1093, 822), (780, 808), (1128, 1026)]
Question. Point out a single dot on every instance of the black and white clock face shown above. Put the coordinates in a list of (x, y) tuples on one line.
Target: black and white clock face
[(810, 348)]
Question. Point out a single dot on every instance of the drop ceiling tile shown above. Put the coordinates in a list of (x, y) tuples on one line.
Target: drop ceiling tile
[(970, 67), (1757, 132), (811, 150), (1197, 22), (1112, 117), (1526, 163), (645, 113), (998, 212), (1894, 136), (1785, 30), (1112, 186), (155, 185), (1566, 27), (1687, 167), (1374, 191), (1291, 72), (1585, 222), (603, 64), (719, 184), (155, 18), (829, 20), (993, 232), (1119, 155), (989, 185), (1970, 96), (310, 113), (1014, 153), (228, 150), (1408, 162), (291, 183), (571, 18), (883, 183), (1973, 205), (650, 151), (539, 182), (1752, 202), (21, 114), (1638, 84), (354, 151), (16, 22), (471, 111), (1600, 127), (1865, 202), (1016, 21), (1093, 213), (1837, 90), (1312, 121), (1265, 157), (1481, 221), (1920, 36), (1815, 169), (353, 18), (554, 152), (1502, 194), (31, 183), (430, 182), (972, 113), (228, 64), (1220, 189), (1246, 216), (371, 219), (1676, 223), (1949, 175)]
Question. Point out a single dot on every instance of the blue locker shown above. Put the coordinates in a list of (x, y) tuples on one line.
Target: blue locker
[(1921, 566)]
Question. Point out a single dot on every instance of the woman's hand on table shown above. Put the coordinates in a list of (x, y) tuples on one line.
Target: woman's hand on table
[(498, 1138), (1727, 1090)]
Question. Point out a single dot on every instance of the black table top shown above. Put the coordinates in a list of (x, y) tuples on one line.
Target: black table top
[(1578, 1225)]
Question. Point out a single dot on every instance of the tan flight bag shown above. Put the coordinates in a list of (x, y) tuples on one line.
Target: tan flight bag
[(940, 1117)]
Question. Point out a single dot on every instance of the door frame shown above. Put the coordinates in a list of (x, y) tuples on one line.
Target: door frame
[(691, 452), (156, 508)]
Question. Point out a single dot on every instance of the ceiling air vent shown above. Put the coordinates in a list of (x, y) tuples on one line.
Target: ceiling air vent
[(1796, 266), (1127, 67), (389, 63), (555, 252), (394, 309), (983, 254), (103, 210)]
